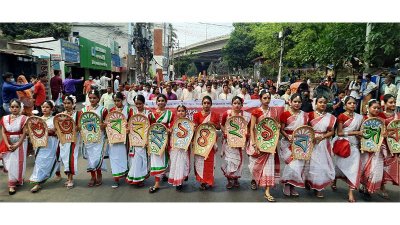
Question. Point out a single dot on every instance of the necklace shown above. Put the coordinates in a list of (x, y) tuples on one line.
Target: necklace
[(94, 108), (293, 113), (350, 115), (265, 112), (69, 113), (320, 114)]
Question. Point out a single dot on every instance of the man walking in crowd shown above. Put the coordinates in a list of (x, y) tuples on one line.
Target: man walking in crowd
[(104, 82), (355, 91), (56, 85), (87, 87), (9, 90), (368, 88), (169, 94), (131, 95), (39, 94), (116, 84), (225, 95), (188, 93), (208, 92), (69, 85), (243, 93), (106, 99)]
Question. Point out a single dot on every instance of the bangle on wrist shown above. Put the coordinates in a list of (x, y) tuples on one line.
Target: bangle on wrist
[(346, 133)]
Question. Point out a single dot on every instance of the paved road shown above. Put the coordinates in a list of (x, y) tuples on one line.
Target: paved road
[(55, 192)]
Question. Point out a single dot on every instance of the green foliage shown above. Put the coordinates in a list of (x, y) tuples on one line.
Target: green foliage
[(182, 64), (383, 44), (18, 31), (238, 52)]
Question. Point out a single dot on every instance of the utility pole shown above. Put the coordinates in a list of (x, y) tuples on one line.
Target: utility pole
[(281, 36), (367, 37)]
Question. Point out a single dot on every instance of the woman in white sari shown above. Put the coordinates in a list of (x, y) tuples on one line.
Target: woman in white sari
[(69, 151), (293, 172), (46, 160), (321, 171), (233, 157), (159, 163), (137, 158), (95, 152), (349, 168), (372, 162), (14, 145), (118, 151), (180, 163), (264, 167)]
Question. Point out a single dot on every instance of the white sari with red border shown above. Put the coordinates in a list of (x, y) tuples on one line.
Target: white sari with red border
[(15, 162), (293, 172), (233, 157), (264, 167), (349, 169), (321, 171)]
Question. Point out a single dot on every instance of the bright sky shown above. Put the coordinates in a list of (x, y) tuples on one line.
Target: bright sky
[(190, 33)]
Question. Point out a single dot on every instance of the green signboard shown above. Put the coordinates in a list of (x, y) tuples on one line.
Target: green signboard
[(93, 55)]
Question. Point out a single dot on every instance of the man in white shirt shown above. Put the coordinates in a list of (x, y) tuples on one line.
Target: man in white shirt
[(225, 95), (104, 82), (217, 90), (116, 84), (369, 89), (146, 91), (96, 81), (131, 95), (106, 99), (274, 95), (243, 94), (188, 93), (390, 88), (199, 89), (177, 90), (208, 92)]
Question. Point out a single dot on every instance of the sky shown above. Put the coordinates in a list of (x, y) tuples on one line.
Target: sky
[(193, 32)]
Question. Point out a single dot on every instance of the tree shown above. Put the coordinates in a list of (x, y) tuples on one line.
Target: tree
[(18, 31), (181, 64), (239, 51), (383, 44)]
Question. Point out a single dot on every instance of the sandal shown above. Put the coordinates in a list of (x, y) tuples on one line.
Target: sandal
[(253, 185), (269, 198), (70, 185), (66, 183), (384, 195), (319, 194), (99, 180), (229, 185), (153, 189), (293, 192), (92, 182), (203, 187), (352, 200), (35, 189), (236, 183), (334, 187), (11, 191), (286, 190)]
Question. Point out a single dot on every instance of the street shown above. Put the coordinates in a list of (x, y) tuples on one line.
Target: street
[(55, 192)]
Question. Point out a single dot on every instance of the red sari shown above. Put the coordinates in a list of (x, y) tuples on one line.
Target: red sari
[(204, 169), (391, 163)]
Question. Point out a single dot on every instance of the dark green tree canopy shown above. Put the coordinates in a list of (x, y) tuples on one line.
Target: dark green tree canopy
[(239, 51), (17, 31)]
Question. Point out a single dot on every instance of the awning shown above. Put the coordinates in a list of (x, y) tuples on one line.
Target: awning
[(15, 52)]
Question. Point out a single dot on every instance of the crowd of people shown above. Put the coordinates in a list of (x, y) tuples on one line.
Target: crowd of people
[(368, 172)]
